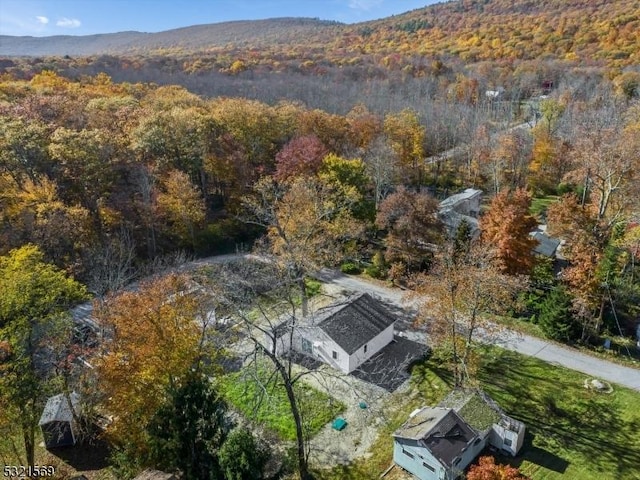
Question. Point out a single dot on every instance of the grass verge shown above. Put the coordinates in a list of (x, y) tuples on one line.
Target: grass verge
[(573, 433)]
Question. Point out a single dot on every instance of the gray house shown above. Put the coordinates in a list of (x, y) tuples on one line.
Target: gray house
[(547, 246), (461, 206), (57, 422), (343, 335), (439, 443)]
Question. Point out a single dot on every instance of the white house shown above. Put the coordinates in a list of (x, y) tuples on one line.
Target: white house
[(343, 335), (438, 443)]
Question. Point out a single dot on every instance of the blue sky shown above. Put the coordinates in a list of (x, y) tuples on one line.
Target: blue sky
[(85, 17)]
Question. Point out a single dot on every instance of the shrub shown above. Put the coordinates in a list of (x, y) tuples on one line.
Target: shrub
[(241, 458), (487, 469), (374, 271), (313, 287), (350, 268), (564, 188)]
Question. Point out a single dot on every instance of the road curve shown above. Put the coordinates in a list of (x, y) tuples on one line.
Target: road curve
[(525, 344)]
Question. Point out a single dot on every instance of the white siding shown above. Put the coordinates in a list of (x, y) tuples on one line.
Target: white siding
[(376, 344), (283, 343), (322, 347), (514, 439), (342, 362)]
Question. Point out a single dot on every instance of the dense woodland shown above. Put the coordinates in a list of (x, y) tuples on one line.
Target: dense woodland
[(322, 156)]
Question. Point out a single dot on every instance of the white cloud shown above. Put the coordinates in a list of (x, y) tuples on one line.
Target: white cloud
[(41, 19), (364, 4), (68, 22)]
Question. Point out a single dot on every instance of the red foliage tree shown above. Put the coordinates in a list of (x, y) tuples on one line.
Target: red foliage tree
[(487, 469), (301, 156)]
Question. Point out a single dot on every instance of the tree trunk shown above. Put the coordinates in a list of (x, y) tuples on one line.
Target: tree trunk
[(304, 298), (28, 434), (303, 466), (456, 368)]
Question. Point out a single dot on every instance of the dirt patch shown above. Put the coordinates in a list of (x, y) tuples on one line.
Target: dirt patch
[(331, 447)]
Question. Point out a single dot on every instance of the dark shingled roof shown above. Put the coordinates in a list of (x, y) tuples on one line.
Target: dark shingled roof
[(441, 430), (356, 322), (449, 438)]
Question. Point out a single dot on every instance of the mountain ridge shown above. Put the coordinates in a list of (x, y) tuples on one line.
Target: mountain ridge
[(278, 30), (602, 31)]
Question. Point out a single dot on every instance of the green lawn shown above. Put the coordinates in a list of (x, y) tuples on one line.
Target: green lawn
[(262, 399), (539, 205), (572, 433)]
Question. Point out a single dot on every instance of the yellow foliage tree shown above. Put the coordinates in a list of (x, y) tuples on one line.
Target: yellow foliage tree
[(407, 138), (181, 204)]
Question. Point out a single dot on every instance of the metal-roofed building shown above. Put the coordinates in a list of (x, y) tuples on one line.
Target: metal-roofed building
[(461, 206), (58, 423)]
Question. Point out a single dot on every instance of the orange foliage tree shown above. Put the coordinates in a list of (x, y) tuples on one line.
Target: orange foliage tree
[(487, 469), (154, 340), (458, 297), (506, 227)]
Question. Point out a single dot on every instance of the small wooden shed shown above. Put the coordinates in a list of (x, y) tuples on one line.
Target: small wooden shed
[(57, 422)]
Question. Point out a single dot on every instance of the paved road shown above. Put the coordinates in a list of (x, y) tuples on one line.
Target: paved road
[(461, 149), (524, 344)]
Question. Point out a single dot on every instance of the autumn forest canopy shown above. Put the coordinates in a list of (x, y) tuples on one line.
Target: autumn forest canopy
[(100, 166), (332, 149)]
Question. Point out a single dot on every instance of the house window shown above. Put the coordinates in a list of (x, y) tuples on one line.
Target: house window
[(507, 442), (307, 346), (365, 349), (426, 465), (410, 455), (334, 354)]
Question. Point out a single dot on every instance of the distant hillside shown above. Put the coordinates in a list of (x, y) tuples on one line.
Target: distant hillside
[(277, 31), (514, 29), (604, 31), (68, 44)]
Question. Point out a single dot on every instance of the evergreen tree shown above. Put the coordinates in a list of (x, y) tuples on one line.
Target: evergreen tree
[(462, 240), (554, 315), (241, 458), (187, 431)]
